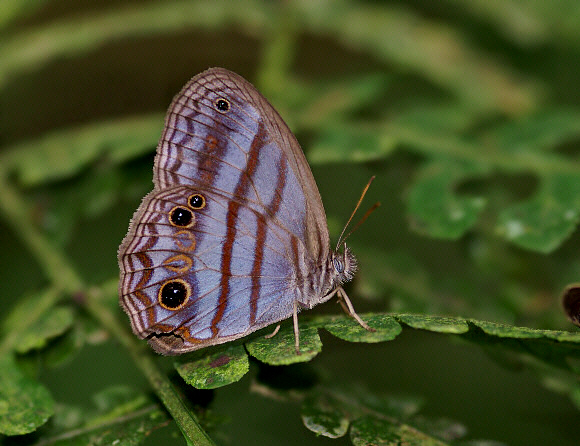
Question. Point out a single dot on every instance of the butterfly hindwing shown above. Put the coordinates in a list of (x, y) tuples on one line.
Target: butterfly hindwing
[(229, 291)]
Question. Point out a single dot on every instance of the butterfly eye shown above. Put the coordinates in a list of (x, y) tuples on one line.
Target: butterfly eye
[(196, 201), (222, 105), (174, 294), (338, 265), (181, 217)]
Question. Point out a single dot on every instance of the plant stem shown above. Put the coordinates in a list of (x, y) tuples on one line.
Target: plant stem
[(142, 357), (65, 279), (51, 259)]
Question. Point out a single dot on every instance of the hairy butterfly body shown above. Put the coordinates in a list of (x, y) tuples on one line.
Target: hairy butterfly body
[(233, 236)]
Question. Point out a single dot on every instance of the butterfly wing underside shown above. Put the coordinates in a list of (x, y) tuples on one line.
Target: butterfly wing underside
[(247, 255)]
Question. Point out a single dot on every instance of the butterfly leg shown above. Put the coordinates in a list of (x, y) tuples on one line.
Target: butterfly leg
[(271, 335), (349, 309), (296, 330)]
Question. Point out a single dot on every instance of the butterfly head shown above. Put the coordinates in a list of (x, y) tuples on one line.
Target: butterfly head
[(344, 265)]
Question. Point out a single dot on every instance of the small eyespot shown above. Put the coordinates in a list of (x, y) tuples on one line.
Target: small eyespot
[(196, 201), (222, 105), (174, 294), (180, 216)]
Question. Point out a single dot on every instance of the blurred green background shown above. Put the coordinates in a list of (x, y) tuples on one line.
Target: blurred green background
[(467, 112)]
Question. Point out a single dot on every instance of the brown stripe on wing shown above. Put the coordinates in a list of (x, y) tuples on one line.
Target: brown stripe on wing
[(174, 141), (231, 222), (147, 273), (257, 266), (210, 158), (170, 140), (132, 257), (186, 105), (272, 210), (129, 259)]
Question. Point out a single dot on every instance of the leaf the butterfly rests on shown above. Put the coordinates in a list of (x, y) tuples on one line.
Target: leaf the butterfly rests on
[(233, 236)]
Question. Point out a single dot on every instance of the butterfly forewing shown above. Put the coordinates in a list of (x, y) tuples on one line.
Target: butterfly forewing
[(216, 149)]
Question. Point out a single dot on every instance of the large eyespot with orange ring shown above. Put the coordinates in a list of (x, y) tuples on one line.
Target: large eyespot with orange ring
[(174, 294), (196, 201), (222, 105), (182, 217)]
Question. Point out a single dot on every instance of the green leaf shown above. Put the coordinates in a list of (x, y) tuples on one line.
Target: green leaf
[(480, 443), (326, 103), (121, 417), (526, 145), (224, 366), (375, 419), (227, 364), (436, 324), (532, 137), (343, 141), (441, 428), (434, 207), (66, 207), (280, 349), (328, 111), (51, 324), (24, 315), (508, 331), (25, 405), (380, 432), (429, 123), (548, 218), (386, 328), (324, 417), (64, 153), (67, 347), (413, 42)]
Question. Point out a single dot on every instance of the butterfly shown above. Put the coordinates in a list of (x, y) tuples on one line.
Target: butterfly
[(233, 237)]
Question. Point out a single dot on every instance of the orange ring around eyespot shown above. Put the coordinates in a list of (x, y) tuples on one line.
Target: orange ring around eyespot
[(190, 235), (181, 305), (178, 258), (189, 225), (222, 102), (198, 207)]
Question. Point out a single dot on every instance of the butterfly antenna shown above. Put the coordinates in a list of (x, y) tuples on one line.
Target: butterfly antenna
[(376, 205), (362, 220)]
